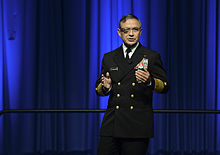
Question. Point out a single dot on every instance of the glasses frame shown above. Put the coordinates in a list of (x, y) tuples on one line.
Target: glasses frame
[(127, 30)]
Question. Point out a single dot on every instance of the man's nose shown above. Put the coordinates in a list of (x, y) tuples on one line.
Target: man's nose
[(131, 33)]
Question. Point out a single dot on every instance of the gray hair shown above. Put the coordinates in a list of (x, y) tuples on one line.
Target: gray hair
[(126, 17)]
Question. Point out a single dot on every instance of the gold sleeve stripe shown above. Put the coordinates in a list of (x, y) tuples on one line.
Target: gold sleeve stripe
[(159, 85), (99, 90)]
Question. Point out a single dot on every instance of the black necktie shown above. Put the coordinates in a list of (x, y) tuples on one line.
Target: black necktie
[(128, 50)]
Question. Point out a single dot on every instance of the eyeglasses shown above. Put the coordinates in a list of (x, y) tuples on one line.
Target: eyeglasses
[(126, 29)]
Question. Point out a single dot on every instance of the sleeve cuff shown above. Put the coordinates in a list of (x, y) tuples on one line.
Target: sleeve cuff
[(102, 91), (159, 85)]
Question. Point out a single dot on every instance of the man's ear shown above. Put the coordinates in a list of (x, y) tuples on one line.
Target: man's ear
[(119, 32), (141, 31)]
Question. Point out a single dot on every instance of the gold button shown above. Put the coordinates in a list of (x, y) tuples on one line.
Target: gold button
[(165, 83), (132, 95), (133, 84), (119, 83), (131, 107), (117, 107), (118, 95), (96, 88)]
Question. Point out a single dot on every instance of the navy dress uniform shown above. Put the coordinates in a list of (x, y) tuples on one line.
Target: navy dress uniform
[(129, 112)]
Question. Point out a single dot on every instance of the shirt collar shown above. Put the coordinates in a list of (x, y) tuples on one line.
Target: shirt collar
[(132, 49)]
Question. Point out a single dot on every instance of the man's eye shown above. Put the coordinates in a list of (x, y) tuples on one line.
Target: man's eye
[(135, 29), (125, 29)]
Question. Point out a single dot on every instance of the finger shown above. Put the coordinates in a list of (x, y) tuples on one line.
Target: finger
[(142, 77), (142, 71), (139, 76), (102, 79), (143, 74), (107, 75), (145, 69)]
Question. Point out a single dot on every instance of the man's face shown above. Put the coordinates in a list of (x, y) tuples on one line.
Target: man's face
[(130, 31)]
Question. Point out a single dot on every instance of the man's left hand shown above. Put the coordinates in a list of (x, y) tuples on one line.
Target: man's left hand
[(141, 75)]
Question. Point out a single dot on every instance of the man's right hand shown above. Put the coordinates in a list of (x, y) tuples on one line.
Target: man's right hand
[(106, 80)]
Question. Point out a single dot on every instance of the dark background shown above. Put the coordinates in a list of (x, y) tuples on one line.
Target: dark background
[(50, 55)]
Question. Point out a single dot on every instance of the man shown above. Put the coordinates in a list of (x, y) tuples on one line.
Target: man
[(129, 75)]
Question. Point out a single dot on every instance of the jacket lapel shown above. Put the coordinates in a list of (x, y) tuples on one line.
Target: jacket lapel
[(136, 57), (121, 62), (124, 66)]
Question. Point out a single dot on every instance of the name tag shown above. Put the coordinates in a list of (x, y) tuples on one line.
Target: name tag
[(114, 69)]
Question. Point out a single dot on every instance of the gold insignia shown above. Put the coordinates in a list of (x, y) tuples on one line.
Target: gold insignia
[(99, 90), (159, 85)]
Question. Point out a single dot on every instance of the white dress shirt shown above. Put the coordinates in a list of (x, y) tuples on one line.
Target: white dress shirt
[(132, 50)]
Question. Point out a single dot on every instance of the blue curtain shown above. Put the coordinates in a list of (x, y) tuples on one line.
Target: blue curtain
[(50, 55)]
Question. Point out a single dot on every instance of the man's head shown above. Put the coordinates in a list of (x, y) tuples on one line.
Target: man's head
[(129, 29)]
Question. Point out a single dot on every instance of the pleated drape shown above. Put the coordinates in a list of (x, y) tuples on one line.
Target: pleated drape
[(50, 57)]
